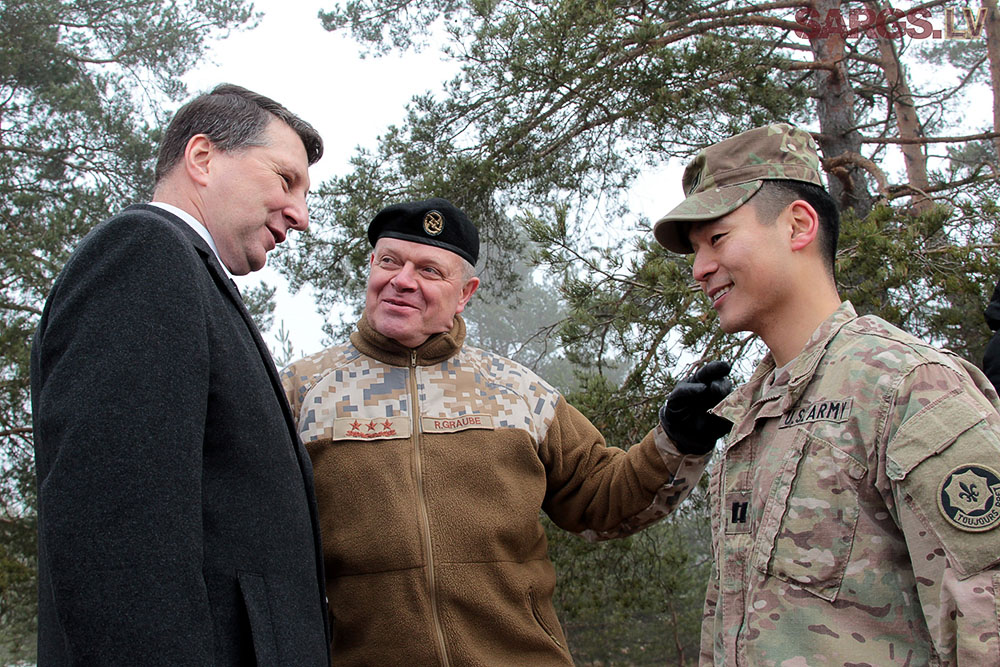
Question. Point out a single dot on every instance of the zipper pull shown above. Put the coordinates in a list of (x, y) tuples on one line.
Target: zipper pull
[(413, 358)]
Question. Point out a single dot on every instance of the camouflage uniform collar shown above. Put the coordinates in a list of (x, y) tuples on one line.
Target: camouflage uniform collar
[(804, 366), (434, 350), (800, 370)]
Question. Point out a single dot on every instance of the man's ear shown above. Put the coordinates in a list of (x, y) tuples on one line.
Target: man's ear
[(467, 291), (804, 224), (198, 156)]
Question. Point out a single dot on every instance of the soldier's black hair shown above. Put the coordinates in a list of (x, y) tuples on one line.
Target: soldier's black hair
[(775, 195)]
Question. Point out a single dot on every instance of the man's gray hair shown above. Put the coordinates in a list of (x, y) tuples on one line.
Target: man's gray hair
[(468, 270)]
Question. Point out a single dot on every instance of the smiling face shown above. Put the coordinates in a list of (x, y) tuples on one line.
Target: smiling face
[(253, 196), (415, 290), (742, 265), (767, 278)]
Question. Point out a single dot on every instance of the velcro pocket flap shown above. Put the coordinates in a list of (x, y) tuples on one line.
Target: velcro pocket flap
[(940, 428)]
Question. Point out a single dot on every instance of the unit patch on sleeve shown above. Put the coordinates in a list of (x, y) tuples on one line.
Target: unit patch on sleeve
[(969, 498), (820, 411)]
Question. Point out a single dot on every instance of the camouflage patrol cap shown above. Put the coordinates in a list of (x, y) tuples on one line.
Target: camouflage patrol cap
[(436, 222), (724, 176)]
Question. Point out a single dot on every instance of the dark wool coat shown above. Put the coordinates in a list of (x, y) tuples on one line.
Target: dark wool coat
[(176, 514), (991, 360)]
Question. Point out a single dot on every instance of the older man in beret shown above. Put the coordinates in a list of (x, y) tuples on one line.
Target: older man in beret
[(433, 459), (856, 509)]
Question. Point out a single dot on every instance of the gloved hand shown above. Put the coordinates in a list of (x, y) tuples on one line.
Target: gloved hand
[(685, 415)]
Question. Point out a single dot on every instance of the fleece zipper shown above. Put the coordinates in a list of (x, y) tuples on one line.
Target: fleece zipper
[(424, 514)]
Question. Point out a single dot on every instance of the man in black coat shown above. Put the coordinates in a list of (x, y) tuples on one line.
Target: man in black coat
[(176, 515), (991, 360)]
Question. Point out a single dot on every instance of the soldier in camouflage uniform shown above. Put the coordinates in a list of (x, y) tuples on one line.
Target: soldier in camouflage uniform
[(433, 459), (856, 509)]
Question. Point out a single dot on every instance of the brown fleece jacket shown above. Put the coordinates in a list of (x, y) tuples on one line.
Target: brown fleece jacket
[(431, 466)]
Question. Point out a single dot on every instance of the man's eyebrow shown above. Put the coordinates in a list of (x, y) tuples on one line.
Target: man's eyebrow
[(290, 169), (425, 261)]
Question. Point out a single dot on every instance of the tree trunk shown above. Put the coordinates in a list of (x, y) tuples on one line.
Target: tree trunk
[(835, 107), (993, 53), (907, 122)]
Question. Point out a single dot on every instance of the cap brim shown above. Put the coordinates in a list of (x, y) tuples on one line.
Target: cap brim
[(699, 207)]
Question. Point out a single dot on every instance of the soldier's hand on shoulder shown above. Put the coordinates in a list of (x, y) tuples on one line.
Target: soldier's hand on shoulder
[(685, 416)]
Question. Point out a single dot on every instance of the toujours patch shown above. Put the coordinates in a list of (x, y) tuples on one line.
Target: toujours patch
[(969, 498)]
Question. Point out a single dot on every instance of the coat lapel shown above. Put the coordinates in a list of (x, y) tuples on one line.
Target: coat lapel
[(228, 287)]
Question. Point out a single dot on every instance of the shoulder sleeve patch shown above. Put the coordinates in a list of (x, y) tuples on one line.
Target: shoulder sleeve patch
[(953, 485), (969, 498)]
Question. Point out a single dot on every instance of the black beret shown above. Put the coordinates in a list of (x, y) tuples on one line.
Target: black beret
[(435, 222)]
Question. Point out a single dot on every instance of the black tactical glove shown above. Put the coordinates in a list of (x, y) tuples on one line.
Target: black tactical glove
[(685, 415)]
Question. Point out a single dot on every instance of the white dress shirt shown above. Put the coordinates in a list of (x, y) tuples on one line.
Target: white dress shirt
[(196, 226)]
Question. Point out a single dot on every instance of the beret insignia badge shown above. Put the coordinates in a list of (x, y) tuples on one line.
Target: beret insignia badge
[(969, 498), (433, 223)]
